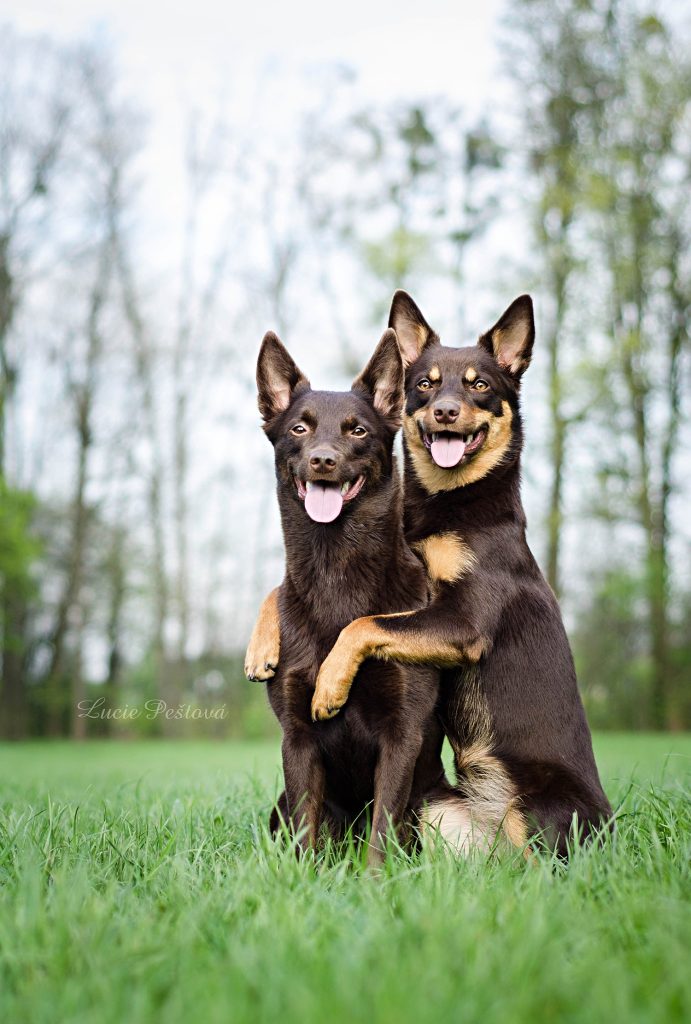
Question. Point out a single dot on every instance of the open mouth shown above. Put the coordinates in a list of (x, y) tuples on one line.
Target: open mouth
[(324, 500), (449, 449)]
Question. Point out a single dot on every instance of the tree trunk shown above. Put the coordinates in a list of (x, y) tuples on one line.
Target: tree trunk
[(84, 397), (561, 264), (13, 690), (144, 370)]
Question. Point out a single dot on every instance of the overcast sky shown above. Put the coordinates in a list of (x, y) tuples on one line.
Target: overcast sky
[(257, 58)]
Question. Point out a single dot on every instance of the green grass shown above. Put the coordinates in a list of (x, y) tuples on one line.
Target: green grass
[(137, 883)]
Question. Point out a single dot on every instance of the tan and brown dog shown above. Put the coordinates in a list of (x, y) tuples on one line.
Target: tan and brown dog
[(510, 702)]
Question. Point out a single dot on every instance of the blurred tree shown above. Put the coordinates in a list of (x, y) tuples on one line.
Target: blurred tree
[(19, 549), (605, 107), (34, 127), (554, 58), (406, 188), (641, 180)]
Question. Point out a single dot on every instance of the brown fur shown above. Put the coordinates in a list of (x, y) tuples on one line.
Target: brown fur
[(385, 749), (514, 716), (510, 704)]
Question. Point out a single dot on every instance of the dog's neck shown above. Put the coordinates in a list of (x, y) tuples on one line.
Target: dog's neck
[(494, 499), (340, 570)]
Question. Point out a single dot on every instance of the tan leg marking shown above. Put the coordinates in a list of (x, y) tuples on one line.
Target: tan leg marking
[(367, 638), (261, 659), (433, 478)]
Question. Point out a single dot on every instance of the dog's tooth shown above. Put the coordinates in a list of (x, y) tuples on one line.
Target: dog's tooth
[(309, 485), (345, 487)]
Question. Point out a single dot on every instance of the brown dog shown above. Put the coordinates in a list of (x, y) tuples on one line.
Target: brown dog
[(340, 503), (510, 700)]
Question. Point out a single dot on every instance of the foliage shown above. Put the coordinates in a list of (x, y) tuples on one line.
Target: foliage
[(126, 389), (19, 547)]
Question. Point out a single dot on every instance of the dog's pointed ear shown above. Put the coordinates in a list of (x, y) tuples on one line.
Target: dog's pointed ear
[(381, 381), (511, 339), (278, 377), (412, 330)]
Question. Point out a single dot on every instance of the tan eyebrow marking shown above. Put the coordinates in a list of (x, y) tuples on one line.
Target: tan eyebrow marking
[(434, 374), (471, 374)]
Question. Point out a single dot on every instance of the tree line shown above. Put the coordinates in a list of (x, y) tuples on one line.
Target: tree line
[(137, 529)]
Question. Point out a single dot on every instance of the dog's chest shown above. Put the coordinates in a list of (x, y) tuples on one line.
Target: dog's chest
[(446, 555)]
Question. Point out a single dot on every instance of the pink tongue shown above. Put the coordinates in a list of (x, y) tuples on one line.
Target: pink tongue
[(323, 503), (447, 451)]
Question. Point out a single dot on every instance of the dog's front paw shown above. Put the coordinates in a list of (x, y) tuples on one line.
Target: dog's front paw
[(331, 692), (261, 660), (260, 673)]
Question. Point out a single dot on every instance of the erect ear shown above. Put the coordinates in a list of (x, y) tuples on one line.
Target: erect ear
[(382, 379), (412, 330), (278, 378), (511, 339)]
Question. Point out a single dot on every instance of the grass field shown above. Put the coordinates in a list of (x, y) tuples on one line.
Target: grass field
[(137, 883)]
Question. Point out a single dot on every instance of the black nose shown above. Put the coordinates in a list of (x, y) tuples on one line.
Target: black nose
[(446, 412), (323, 459)]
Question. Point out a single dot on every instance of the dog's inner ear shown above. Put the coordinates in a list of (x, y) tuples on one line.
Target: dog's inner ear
[(278, 377), (382, 379), (412, 330), (511, 339)]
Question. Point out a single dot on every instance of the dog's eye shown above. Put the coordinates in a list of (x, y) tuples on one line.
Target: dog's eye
[(424, 384), (299, 428), (481, 385), (358, 431)]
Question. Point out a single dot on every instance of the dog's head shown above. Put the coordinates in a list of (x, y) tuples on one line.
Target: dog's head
[(331, 448), (461, 419)]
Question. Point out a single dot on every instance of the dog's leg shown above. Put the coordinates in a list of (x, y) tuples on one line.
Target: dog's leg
[(393, 780), (279, 814), (419, 637), (304, 774), (261, 659)]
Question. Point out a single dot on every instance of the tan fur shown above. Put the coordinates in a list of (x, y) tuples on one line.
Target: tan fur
[(412, 338), (432, 477), (434, 374), (515, 828), (471, 374), (508, 345), (446, 556), (366, 638), (466, 825), (452, 821), (264, 646), (488, 784)]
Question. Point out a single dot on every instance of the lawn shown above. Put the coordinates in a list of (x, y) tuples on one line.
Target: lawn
[(137, 883)]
